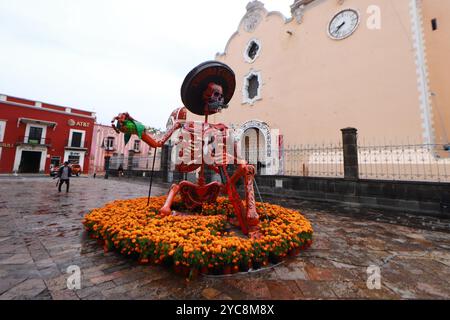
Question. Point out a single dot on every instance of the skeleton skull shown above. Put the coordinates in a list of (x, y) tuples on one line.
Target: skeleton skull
[(213, 98)]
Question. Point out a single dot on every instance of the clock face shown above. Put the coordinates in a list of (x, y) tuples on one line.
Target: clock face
[(343, 24)]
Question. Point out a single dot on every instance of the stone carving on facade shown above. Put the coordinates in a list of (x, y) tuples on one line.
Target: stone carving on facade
[(253, 16), (254, 5), (251, 21), (298, 11)]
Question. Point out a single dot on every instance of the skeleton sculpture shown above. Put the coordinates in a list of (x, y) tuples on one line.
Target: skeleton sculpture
[(206, 90)]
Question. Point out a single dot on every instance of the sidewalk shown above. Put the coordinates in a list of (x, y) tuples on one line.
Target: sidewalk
[(42, 235), (33, 175), (23, 175)]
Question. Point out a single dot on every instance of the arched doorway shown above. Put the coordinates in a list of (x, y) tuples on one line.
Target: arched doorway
[(254, 149), (259, 145)]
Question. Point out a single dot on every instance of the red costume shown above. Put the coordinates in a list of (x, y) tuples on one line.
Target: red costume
[(206, 90)]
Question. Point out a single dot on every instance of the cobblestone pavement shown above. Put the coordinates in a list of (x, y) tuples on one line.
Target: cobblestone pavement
[(41, 235)]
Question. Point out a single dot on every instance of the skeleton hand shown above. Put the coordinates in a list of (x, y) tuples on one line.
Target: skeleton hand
[(113, 125), (121, 118)]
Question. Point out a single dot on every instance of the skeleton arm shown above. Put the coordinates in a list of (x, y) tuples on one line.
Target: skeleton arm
[(152, 142), (129, 126)]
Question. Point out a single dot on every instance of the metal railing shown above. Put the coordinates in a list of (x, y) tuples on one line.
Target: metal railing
[(304, 160), (110, 148), (410, 162), (136, 162), (34, 140), (72, 144), (312, 161), (415, 162)]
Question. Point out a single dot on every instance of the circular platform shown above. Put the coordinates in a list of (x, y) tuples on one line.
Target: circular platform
[(204, 242)]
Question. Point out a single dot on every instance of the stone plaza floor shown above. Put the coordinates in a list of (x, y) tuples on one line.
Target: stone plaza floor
[(41, 235)]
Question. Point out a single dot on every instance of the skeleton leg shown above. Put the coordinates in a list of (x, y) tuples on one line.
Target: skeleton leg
[(252, 215), (166, 210), (248, 172)]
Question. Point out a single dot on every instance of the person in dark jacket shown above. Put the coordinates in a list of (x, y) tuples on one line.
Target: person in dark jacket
[(64, 174)]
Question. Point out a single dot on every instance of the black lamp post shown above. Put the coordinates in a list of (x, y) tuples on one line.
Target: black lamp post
[(107, 158)]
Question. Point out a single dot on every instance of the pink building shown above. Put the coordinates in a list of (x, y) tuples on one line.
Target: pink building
[(109, 149), (109, 146)]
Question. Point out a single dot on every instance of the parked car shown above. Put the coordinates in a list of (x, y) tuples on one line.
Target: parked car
[(76, 169)]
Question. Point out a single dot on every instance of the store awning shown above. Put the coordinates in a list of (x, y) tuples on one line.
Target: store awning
[(36, 121)]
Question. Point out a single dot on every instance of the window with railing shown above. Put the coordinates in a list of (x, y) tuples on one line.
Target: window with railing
[(137, 146), (76, 139), (33, 140), (109, 143), (35, 135)]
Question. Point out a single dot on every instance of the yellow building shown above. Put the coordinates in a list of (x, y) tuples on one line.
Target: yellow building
[(436, 49), (380, 66)]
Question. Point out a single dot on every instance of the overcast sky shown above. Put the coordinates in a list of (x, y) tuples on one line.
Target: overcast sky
[(111, 56)]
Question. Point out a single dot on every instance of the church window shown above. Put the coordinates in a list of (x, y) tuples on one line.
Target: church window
[(252, 87), (434, 24), (252, 50)]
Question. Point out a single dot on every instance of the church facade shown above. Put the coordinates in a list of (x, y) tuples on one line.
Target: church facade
[(380, 66)]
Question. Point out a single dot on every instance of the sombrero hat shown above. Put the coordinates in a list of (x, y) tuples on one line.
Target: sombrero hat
[(198, 79)]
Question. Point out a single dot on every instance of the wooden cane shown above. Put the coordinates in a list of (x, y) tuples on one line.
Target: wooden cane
[(151, 177)]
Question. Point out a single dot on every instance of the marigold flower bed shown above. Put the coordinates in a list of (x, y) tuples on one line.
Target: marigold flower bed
[(199, 242)]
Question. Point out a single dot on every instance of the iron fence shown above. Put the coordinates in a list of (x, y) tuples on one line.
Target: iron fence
[(136, 162), (305, 160), (97, 169), (413, 162)]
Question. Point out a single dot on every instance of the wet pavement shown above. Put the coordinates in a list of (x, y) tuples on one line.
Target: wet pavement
[(41, 235)]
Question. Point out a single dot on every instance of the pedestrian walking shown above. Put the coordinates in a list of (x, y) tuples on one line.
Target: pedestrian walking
[(120, 170), (64, 174)]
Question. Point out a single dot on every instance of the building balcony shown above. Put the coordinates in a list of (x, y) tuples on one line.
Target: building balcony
[(33, 141), (110, 148), (73, 145)]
